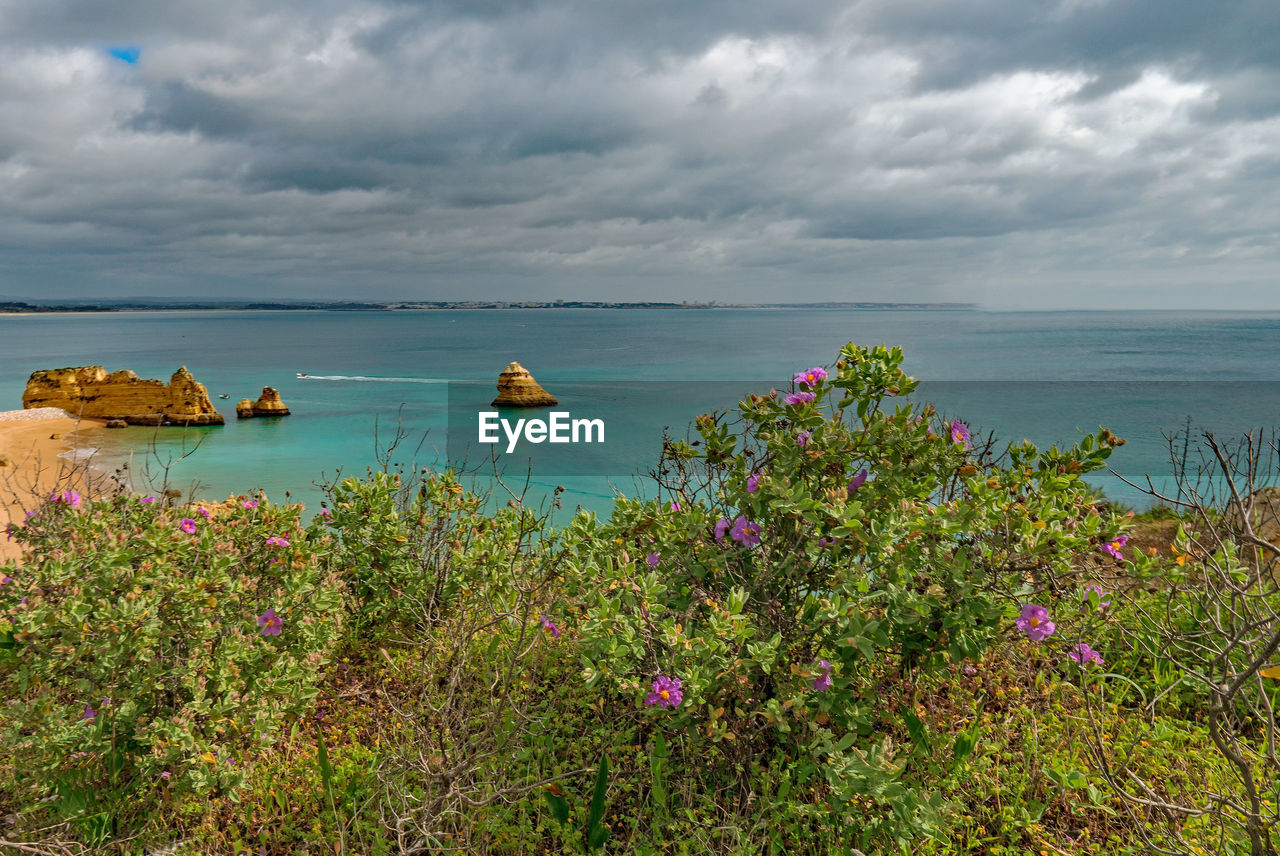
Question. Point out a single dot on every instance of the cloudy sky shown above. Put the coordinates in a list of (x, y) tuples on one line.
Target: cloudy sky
[(1018, 153)]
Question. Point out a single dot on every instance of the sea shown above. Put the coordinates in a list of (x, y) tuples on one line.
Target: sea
[(400, 388)]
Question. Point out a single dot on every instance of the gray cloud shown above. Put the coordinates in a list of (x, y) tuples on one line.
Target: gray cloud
[(1038, 153)]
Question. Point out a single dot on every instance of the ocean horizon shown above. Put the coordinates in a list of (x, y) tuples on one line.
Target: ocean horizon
[(1045, 376)]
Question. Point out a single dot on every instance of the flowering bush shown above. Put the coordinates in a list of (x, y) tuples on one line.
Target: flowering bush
[(408, 552), (823, 556), (149, 647)]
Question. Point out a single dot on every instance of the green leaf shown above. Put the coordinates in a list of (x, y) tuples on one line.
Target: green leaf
[(322, 758), (559, 807), (916, 728), (596, 833)]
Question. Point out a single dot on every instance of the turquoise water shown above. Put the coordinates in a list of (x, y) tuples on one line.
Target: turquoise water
[(1043, 376)]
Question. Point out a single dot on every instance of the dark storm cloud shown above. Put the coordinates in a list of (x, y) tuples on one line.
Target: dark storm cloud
[(913, 149)]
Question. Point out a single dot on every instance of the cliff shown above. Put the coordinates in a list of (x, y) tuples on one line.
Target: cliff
[(268, 404), (90, 392), (517, 388)]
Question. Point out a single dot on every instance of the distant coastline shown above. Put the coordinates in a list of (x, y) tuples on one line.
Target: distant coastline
[(27, 308)]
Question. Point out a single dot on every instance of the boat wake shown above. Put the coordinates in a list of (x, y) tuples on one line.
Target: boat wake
[(364, 379)]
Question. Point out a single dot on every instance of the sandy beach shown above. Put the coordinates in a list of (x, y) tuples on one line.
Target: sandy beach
[(36, 464)]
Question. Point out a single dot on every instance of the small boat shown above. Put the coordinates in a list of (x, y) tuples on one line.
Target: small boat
[(303, 374), (223, 395)]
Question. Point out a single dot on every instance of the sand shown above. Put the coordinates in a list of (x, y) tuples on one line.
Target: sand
[(37, 466)]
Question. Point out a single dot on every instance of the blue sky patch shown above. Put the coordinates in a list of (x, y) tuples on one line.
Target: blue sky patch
[(129, 55)]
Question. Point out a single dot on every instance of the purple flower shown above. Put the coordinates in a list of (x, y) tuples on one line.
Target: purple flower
[(187, 525), (802, 439), (1113, 547), (270, 622), (811, 377), (827, 541), (30, 514), (823, 681), (549, 626), (666, 693), (1034, 621), (1096, 589), (745, 532), (326, 513), (1084, 655), (69, 497), (857, 481), (147, 500), (203, 512), (89, 714), (722, 526), (250, 503), (753, 482), (675, 506), (5, 580), (277, 541), (799, 398), (960, 433), (652, 559), (166, 775)]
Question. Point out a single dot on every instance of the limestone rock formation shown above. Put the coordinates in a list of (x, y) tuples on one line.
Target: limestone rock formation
[(517, 388), (268, 404), (90, 392)]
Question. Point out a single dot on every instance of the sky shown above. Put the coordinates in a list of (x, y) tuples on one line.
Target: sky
[(1011, 153)]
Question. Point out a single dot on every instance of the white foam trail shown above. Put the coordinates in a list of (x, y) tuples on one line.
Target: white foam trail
[(377, 379)]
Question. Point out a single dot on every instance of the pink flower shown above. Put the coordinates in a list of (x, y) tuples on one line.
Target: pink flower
[(666, 693), (653, 559), (270, 623), (823, 681), (1084, 655), (1034, 621), (675, 506), (1096, 589), (960, 433), (811, 377), (1113, 547), (550, 627), (68, 497), (147, 500), (746, 532), (203, 512), (5, 580), (753, 482), (857, 481), (802, 439), (89, 714), (799, 398), (250, 503), (277, 541), (826, 542), (187, 525), (722, 526)]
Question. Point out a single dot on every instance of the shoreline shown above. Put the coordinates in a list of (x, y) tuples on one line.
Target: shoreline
[(40, 463)]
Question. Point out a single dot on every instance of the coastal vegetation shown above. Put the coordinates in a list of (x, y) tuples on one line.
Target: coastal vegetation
[(844, 625)]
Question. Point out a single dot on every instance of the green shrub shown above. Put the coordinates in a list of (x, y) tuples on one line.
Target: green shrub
[(820, 556), (150, 648)]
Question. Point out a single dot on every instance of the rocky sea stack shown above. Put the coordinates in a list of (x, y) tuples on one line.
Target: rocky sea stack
[(517, 388), (268, 404), (89, 392)]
